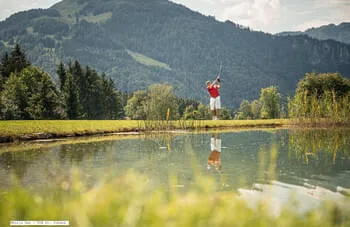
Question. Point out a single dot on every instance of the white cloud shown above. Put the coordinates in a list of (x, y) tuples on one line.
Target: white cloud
[(266, 15), (12, 6), (257, 14), (330, 3)]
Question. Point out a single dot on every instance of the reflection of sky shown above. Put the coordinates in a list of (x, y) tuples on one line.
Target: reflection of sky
[(278, 195)]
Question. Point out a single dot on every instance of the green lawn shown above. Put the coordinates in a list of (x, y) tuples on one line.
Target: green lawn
[(88, 127)]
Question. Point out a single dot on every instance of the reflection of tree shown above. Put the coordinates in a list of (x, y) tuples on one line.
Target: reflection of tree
[(77, 153), (18, 162), (326, 146)]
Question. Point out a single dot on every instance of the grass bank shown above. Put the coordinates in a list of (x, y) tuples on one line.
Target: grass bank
[(47, 129)]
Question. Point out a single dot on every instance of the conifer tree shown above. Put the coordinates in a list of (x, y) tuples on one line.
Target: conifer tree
[(4, 70), (71, 98), (61, 71), (18, 60)]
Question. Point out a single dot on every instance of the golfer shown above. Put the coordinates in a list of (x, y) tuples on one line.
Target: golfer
[(215, 102)]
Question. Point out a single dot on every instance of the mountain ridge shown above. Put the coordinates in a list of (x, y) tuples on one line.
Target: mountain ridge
[(340, 32), (100, 34)]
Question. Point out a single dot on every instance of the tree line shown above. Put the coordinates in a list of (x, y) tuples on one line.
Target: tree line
[(27, 92), (172, 34), (317, 96)]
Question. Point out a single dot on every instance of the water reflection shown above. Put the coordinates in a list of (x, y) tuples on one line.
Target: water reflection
[(315, 157), (327, 145), (278, 195), (214, 160)]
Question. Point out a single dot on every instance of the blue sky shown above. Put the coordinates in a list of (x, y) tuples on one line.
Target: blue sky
[(264, 15)]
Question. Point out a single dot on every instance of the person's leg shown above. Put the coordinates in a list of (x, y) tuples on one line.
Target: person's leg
[(217, 114), (213, 112), (212, 108), (217, 107)]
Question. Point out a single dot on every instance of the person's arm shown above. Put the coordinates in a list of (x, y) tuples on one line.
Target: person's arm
[(219, 82), (212, 84)]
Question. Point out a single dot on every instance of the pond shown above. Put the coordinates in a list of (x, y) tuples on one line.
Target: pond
[(311, 162)]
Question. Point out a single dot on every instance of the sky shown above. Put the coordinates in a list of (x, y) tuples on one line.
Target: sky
[(271, 16)]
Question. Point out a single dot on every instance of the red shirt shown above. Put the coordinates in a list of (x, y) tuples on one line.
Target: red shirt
[(213, 91), (214, 157)]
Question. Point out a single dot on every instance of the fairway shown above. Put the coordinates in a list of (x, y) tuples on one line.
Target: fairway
[(27, 130)]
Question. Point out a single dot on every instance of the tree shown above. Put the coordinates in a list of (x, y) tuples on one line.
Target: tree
[(91, 93), (112, 100), (98, 98), (161, 98), (135, 107), (319, 84), (44, 103), (4, 70), (190, 113), (270, 100), (183, 103), (245, 109), (225, 114), (71, 98), (256, 109), (321, 96), (12, 64), (18, 60), (204, 112), (14, 99), (30, 94), (81, 84), (61, 72), (153, 104)]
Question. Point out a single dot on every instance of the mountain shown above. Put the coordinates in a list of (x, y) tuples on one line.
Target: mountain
[(339, 32), (139, 42)]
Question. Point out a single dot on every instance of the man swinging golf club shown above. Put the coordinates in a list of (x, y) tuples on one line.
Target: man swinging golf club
[(215, 102)]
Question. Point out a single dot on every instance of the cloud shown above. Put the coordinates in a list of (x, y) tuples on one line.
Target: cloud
[(330, 3), (257, 14), (327, 12), (10, 7), (337, 8)]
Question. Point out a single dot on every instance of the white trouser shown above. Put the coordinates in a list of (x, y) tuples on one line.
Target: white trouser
[(215, 103), (215, 144)]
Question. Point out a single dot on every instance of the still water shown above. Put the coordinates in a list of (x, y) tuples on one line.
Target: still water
[(315, 163)]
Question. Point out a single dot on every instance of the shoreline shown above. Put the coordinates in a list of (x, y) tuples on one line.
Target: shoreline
[(17, 131), (32, 130)]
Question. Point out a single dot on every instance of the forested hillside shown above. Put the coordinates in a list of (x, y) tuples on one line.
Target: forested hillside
[(339, 32), (139, 43)]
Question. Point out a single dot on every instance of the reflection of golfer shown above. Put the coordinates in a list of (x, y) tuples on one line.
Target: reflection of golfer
[(215, 147)]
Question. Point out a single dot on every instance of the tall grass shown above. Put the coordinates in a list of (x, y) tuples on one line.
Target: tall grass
[(131, 201), (315, 108)]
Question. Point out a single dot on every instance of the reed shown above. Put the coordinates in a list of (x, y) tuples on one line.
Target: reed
[(320, 109)]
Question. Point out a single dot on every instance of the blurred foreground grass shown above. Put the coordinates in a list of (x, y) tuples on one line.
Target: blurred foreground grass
[(132, 200)]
